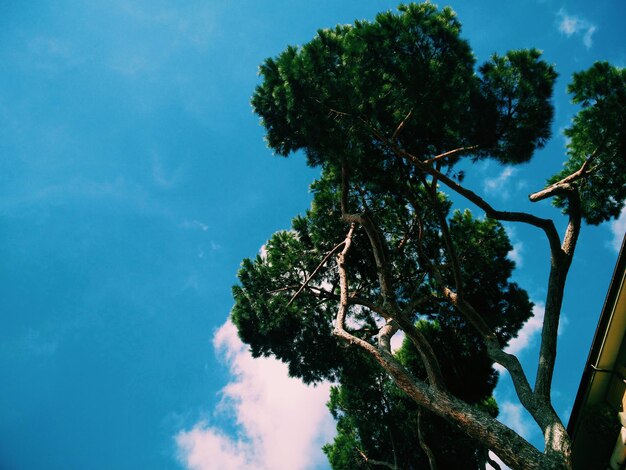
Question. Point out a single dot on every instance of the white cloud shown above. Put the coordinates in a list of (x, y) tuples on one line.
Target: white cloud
[(500, 184), (516, 254), (206, 448), (195, 224), (518, 246), (282, 422), (587, 37), (162, 175), (618, 229), (570, 25), (530, 330), (397, 340), (563, 323), (516, 417), (497, 460)]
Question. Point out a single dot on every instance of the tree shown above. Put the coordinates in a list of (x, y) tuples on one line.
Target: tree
[(377, 424), (388, 109)]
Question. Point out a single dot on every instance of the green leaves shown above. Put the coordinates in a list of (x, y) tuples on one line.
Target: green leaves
[(299, 334), (333, 94), (515, 103), (597, 135), (372, 104), (376, 419)]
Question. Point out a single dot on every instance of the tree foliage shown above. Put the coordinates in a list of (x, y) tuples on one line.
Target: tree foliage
[(597, 142), (386, 109), (377, 422)]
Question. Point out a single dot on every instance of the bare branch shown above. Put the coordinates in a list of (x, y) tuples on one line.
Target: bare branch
[(564, 185), (427, 450), (315, 271), (390, 309), (343, 280), (537, 404), (450, 153), (545, 224), (514, 450), (386, 333), (559, 269), (376, 462), (376, 241), (401, 125)]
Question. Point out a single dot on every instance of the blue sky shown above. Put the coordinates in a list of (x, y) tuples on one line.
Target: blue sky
[(134, 179)]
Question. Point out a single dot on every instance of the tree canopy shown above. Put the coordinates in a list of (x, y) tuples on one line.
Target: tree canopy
[(387, 108)]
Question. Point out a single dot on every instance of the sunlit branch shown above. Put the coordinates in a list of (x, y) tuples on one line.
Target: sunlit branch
[(450, 153)]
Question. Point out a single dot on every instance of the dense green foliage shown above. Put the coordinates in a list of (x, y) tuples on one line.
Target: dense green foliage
[(300, 333), (599, 129), (377, 420), (365, 102), (380, 71)]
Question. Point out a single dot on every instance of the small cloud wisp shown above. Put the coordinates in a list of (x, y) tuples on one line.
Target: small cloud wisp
[(570, 25)]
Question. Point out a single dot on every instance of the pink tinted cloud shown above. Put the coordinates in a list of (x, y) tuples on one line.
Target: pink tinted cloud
[(283, 423)]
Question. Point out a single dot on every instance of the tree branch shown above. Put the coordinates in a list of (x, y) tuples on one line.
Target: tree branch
[(544, 224), (514, 450), (386, 333), (559, 269), (401, 125), (420, 435), (564, 184), (376, 241), (389, 306), (376, 462), (315, 271), (343, 280), (450, 153)]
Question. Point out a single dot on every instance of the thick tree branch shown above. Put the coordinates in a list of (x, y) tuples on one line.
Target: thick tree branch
[(564, 185), (544, 224), (376, 242), (343, 280), (390, 306), (386, 333), (537, 405), (514, 450), (510, 447), (559, 269)]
